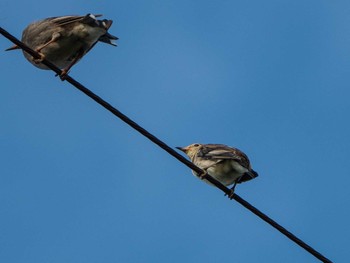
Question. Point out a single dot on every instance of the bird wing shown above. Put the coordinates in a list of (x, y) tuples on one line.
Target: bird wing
[(65, 20), (220, 152)]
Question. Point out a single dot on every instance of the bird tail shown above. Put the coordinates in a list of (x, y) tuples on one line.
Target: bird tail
[(248, 176), (109, 39)]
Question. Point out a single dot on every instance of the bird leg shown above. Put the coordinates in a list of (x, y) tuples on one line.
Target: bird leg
[(65, 71), (232, 190), (54, 37)]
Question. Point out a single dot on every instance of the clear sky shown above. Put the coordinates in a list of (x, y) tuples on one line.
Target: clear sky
[(269, 77)]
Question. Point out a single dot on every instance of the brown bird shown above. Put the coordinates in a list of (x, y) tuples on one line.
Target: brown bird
[(64, 40), (226, 164)]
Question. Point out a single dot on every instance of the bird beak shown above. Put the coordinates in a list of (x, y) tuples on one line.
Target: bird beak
[(183, 149), (13, 48)]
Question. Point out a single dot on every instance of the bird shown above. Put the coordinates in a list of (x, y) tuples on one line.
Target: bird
[(228, 165), (64, 40)]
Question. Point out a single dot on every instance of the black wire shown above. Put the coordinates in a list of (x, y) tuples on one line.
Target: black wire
[(168, 149)]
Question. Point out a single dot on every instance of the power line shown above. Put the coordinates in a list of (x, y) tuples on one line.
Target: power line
[(167, 148)]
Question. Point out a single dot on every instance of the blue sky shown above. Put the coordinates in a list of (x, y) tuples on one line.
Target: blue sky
[(268, 77)]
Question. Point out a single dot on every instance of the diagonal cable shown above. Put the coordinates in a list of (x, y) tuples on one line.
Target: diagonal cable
[(167, 148)]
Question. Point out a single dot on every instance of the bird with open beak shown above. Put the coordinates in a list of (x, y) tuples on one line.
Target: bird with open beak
[(226, 164), (64, 40)]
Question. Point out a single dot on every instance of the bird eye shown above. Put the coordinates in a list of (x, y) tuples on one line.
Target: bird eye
[(196, 145)]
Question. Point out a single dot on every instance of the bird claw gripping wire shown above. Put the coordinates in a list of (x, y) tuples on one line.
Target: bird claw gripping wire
[(63, 75), (40, 59), (232, 189), (230, 194), (203, 175)]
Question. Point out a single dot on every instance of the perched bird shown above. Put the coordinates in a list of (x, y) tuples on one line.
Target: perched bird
[(226, 164), (64, 40)]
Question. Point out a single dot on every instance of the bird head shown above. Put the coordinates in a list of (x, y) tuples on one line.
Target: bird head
[(191, 150)]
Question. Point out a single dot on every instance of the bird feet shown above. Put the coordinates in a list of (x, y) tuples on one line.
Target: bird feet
[(232, 190), (40, 59), (230, 194), (63, 75), (202, 175)]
